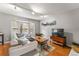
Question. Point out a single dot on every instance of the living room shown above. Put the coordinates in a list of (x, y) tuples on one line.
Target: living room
[(41, 22)]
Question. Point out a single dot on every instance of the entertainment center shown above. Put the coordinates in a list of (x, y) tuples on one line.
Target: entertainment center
[(58, 37)]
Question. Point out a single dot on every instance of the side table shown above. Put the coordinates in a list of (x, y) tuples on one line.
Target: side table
[(2, 35)]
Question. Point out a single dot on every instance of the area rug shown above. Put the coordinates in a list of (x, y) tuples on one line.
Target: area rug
[(37, 53), (44, 52)]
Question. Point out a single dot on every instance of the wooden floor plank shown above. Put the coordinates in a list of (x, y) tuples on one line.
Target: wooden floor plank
[(59, 51), (4, 49)]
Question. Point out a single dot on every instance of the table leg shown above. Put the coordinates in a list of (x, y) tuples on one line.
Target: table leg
[(2, 39)]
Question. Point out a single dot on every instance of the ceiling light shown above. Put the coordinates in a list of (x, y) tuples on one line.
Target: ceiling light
[(45, 16), (37, 9), (41, 16), (33, 13)]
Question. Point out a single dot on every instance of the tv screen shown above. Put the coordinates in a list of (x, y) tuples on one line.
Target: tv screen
[(59, 32)]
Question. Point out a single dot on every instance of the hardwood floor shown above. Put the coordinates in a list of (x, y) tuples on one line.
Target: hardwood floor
[(59, 51), (4, 49)]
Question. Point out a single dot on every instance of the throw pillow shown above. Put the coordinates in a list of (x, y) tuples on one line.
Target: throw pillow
[(23, 41)]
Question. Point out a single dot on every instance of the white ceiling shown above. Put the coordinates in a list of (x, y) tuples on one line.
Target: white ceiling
[(49, 8), (10, 9)]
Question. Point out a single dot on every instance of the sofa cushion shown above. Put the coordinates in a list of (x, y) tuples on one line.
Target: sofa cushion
[(23, 40)]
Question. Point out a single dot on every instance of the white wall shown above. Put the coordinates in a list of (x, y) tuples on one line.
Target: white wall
[(46, 30), (69, 21), (5, 24), (75, 23)]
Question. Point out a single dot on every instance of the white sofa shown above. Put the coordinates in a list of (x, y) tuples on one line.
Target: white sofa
[(22, 49)]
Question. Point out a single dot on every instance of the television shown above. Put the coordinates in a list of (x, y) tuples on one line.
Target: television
[(59, 32)]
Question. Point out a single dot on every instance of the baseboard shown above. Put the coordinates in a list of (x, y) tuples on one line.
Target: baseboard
[(6, 42)]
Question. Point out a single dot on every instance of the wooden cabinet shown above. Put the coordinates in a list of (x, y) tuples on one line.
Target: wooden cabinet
[(59, 40)]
